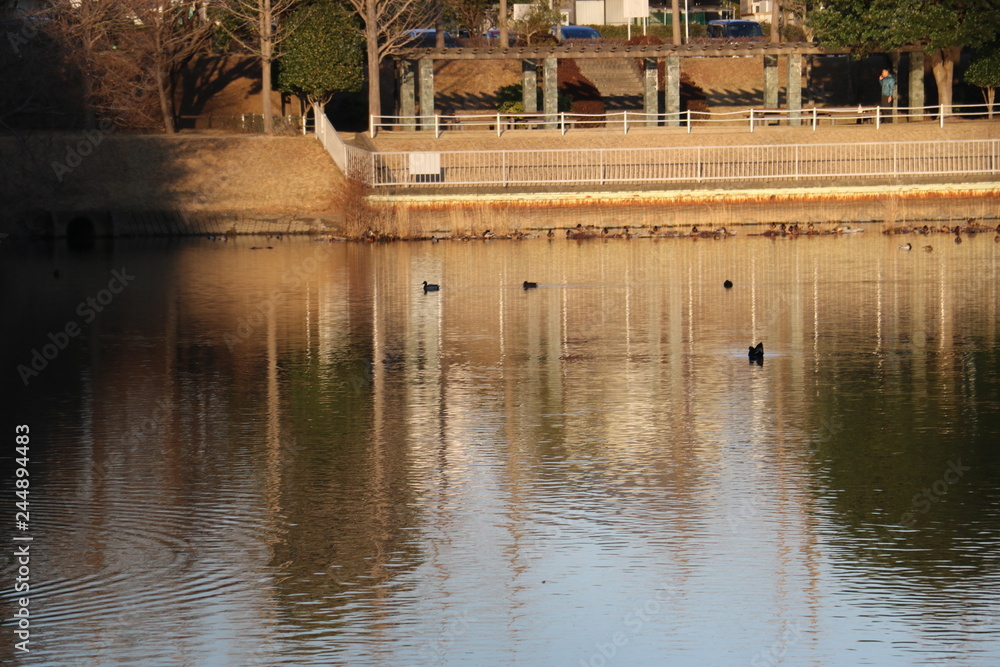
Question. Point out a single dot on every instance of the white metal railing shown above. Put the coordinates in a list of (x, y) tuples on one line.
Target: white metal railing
[(691, 164), (351, 160), (751, 118)]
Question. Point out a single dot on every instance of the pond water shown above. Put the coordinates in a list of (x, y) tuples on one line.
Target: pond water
[(296, 456)]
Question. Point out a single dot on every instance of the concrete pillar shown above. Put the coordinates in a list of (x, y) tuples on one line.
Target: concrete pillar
[(650, 98), (672, 90), (551, 94), (793, 89), (407, 88), (894, 58), (770, 82), (529, 85), (425, 68), (916, 84)]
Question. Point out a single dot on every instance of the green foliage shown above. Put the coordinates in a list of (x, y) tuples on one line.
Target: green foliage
[(878, 25), (664, 32), (984, 70), (324, 55)]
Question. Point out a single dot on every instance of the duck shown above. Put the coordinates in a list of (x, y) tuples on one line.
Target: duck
[(928, 248), (906, 246), (958, 239), (431, 287), (488, 235), (551, 234), (756, 352), (727, 284), (527, 285)]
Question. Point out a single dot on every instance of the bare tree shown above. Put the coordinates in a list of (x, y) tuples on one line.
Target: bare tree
[(83, 29), (266, 28), (170, 36), (385, 25)]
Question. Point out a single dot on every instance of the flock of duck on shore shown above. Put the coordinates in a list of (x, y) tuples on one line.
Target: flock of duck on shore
[(775, 230)]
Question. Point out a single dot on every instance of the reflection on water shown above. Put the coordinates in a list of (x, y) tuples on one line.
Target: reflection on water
[(254, 457)]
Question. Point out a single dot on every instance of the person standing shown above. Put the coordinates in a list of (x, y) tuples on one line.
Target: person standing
[(888, 82)]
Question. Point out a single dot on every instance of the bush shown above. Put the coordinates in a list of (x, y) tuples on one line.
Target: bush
[(793, 33), (620, 32), (510, 99)]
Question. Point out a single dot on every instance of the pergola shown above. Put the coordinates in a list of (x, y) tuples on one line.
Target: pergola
[(416, 71)]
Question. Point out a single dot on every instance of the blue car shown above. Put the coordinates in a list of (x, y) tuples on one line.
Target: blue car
[(426, 39), (734, 28), (576, 32)]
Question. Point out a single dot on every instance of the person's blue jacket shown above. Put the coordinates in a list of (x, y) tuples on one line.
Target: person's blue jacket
[(888, 85)]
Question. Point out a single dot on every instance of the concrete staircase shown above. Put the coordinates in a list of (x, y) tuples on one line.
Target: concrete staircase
[(618, 80)]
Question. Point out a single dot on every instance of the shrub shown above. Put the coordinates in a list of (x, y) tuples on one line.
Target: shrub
[(510, 100), (793, 33)]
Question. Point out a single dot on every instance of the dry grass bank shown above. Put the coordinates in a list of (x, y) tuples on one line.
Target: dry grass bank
[(192, 173)]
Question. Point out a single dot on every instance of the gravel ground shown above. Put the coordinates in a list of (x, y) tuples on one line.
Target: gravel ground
[(465, 140)]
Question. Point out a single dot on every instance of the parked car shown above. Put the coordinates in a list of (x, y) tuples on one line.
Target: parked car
[(494, 34), (576, 32), (729, 28), (425, 38)]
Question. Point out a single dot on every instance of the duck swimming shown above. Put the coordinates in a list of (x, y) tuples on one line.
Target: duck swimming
[(527, 285), (430, 287), (727, 284), (756, 352)]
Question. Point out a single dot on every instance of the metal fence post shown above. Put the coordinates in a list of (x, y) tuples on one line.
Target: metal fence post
[(625, 122), (878, 117), (437, 126), (498, 124), (814, 119), (371, 125), (562, 122), (751, 120), (942, 115), (689, 120)]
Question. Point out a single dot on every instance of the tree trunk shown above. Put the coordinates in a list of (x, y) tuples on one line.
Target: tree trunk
[(502, 20), (266, 58), (775, 19), (166, 106), (317, 113), (675, 20), (943, 66), (374, 59)]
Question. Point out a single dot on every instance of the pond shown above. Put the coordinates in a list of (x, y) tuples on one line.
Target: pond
[(294, 455)]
